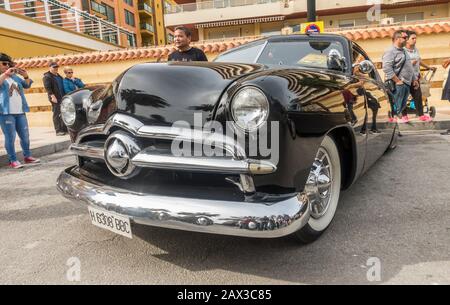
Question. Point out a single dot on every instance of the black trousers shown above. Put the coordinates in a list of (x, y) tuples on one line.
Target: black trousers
[(418, 102), (57, 119)]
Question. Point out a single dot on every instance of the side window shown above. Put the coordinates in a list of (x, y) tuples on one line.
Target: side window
[(359, 57)]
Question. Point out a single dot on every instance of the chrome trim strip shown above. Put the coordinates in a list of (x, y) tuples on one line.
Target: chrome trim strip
[(137, 128), (200, 164), (120, 120), (154, 159), (195, 136), (256, 219), (93, 149)]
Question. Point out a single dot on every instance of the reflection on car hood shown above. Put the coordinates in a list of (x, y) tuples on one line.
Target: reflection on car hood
[(165, 93)]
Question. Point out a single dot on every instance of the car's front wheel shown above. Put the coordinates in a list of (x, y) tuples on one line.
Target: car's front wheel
[(323, 188)]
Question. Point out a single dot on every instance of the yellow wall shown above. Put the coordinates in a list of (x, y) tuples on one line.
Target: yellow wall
[(159, 22), (20, 45), (217, 33)]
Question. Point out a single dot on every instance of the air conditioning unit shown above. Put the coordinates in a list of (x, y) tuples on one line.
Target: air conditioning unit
[(387, 21)]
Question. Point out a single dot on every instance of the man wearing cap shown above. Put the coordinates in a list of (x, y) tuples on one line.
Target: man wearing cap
[(13, 107), (54, 85)]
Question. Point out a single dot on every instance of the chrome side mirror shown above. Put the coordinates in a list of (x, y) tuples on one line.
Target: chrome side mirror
[(366, 66)]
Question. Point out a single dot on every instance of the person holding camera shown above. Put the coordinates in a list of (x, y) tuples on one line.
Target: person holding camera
[(13, 107), (400, 73)]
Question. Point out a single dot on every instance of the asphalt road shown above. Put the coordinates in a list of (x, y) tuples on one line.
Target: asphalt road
[(398, 214)]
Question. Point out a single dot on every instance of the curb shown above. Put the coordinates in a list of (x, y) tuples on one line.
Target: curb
[(39, 151), (416, 126)]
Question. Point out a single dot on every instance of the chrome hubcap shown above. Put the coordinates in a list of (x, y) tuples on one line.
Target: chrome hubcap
[(318, 185)]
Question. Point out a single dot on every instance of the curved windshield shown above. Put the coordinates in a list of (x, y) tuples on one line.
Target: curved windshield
[(246, 54), (306, 53)]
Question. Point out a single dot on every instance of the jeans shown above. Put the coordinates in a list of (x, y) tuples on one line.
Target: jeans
[(12, 124), (400, 97), (418, 102)]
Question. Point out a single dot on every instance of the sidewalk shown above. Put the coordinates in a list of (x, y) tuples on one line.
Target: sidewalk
[(43, 142), (440, 122)]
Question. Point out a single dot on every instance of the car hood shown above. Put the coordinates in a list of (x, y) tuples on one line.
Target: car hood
[(164, 93)]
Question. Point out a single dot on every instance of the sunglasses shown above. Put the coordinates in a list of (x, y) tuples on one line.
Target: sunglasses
[(69, 72), (6, 64)]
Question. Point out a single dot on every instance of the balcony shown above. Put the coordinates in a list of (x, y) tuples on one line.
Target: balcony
[(217, 10), (221, 10), (145, 9), (146, 27), (70, 18)]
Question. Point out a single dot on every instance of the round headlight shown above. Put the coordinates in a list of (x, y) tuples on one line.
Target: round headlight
[(68, 111), (94, 111), (249, 108)]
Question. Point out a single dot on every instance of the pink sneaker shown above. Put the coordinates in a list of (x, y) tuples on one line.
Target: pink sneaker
[(425, 118), (15, 164), (31, 160), (405, 119), (392, 120)]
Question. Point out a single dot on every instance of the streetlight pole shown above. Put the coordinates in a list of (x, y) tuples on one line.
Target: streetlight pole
[(311, 10)]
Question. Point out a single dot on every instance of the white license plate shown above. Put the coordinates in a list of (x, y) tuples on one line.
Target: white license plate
[(111, 221)]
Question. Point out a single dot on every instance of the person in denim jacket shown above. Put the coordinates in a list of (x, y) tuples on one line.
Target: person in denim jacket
[(13, 107), (70, 82)]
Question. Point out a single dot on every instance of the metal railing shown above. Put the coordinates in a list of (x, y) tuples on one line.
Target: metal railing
[(145, 7), (191, 7), (146, 26), (67, 17)]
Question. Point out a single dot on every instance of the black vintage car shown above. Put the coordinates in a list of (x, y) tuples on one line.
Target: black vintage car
[(258, 143)]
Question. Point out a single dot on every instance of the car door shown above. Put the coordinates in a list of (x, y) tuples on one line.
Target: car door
[(377, 127)]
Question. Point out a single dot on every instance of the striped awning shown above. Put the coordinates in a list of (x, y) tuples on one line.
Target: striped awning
[(239, 21)]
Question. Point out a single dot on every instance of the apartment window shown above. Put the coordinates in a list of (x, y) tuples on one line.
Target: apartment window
[(132, 40), (346, 23), (111, 39), (295, 28), (408, 17), (30, 10), (167, 7), (99, 8), (129, 2), (220, 34), (110, 13), (129, 18)]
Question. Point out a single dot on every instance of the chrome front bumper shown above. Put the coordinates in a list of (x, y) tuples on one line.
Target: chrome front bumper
[(248, 219)]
